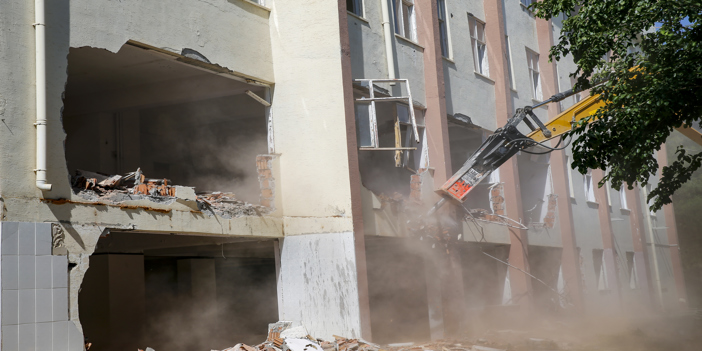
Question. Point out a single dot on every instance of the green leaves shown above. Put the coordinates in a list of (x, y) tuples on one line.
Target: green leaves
[(643, 104)]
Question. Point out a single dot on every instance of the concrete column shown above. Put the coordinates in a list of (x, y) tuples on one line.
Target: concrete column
[(318, 284), (509, 174), (645, 284), (435, 116), (319, 187), (570, 259), (112, 301), (608, 247), (674, 248)]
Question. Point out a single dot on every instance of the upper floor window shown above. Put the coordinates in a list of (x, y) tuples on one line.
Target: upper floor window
[(534, 76), (443, 28), (355, 7), (526, 2), (589, 187), (477, 40), (508, 56), (405, 24)]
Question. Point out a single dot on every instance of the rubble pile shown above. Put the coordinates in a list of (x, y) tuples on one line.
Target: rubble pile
[(136, 186), (227, 205)]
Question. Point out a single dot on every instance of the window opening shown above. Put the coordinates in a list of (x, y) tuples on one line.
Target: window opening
[(571, 188), (366, 110), (443, 29), (622, 198), (589, 188), (510, 70), (534, 76), (354, 6), (477, 39), (526, 2), (631, 265), (405, 23)]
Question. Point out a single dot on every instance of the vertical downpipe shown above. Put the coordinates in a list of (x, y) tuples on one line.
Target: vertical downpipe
[(40, 124), (387, 31)]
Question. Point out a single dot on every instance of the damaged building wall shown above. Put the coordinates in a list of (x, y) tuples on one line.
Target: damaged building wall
[(244, 48)]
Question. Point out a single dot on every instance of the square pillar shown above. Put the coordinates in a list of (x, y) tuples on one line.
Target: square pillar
[(318, 284)]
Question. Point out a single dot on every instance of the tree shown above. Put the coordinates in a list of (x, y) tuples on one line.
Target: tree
[(650, 52)]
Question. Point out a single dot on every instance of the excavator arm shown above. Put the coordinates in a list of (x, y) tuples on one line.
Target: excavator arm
[(507, 141)]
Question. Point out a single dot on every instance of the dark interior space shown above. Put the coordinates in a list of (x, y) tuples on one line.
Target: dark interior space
[(143, 109), (177, 292), (397, 290)]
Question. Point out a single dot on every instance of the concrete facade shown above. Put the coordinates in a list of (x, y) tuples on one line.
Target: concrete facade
[(258, 98)]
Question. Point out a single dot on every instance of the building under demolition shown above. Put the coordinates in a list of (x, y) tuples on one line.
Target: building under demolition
[(180, 174)]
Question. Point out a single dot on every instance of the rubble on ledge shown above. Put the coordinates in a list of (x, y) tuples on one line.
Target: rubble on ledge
[(117, 188)]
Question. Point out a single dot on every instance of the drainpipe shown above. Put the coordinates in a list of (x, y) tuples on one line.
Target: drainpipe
[(387, 30), (40, 124)]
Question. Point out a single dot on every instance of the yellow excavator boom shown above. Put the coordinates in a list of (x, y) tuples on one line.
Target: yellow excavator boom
[(588, 106)]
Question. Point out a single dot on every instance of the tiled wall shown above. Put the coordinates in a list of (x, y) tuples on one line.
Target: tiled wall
[(34, 284)]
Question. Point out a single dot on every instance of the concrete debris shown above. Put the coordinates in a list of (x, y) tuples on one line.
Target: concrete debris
[(484, 348), (136, 186), (294, 344)]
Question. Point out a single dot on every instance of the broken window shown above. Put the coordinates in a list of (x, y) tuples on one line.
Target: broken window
[(443, 28), (171, 119), (534, 76), (405, 22), (355, 7), (477, 40)]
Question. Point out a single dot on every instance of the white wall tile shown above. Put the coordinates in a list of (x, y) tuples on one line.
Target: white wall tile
[(26, 306), (27, 242), (59, 270), (44, 337), (27, 337), (60, 335), (10, 240), (10, 272), (10, 303), (43, 239), (43, 305), (43, 272), (10, 338), (60, 304), (27, 272), (75, 338)]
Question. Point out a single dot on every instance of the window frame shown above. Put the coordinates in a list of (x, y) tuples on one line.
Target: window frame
[(357, 7), (444, 40), (533, 67), (480, 67), (405, 23)]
